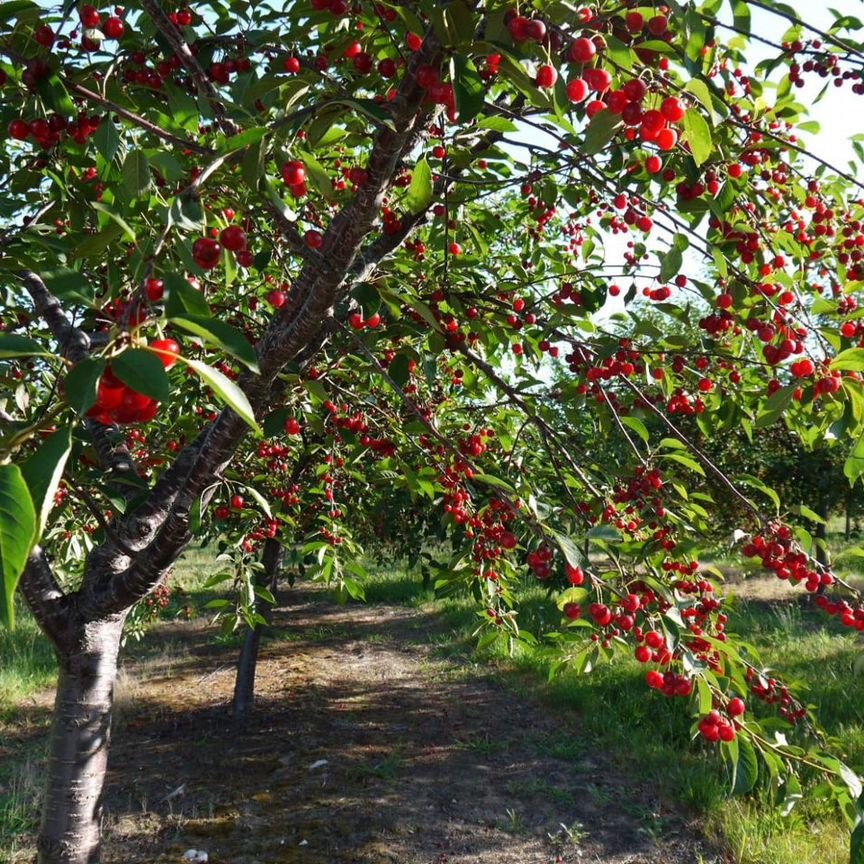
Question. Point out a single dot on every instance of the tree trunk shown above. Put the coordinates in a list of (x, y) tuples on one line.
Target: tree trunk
[(78, 755), (848, 532), (244, 683)]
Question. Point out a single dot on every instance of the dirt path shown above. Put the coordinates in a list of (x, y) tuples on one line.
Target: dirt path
[(365, 749)]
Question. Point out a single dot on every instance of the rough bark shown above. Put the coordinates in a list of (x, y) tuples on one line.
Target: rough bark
[(78, 754), (244, 683)]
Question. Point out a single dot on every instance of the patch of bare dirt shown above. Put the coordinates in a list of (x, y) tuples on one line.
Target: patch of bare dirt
[(364, 749)]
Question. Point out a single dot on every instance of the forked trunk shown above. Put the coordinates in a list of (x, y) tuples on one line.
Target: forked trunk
[(78, 756)]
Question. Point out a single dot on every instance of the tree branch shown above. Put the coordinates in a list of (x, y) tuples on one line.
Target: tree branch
[(181, 50)]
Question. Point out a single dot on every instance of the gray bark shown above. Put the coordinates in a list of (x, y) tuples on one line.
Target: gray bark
[(78, 754)]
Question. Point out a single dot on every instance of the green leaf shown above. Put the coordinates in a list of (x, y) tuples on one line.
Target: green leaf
[(226, 390), (807, 513), (318, 177), (745, 769), (107, 139), (701, 91), (856, 846), (468, 88), (756, 483), (671, 264), (637, 426), (42, 473), (571, 595), (698, 135), (12, 345), (686, 460), (489, 480), (17, 8), (143, 371), (600, 132), (741, 15), (68, 285), (81, 384), (129, 234), (17, 535), (853, 467), (399, 369), (136, 172), (420, 191), (51, 89), (850, 360), (183, 298), (97, 244), (568, 549), (222, 336)]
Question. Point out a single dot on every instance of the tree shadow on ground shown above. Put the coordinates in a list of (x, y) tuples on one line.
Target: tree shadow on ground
[(365, 748)]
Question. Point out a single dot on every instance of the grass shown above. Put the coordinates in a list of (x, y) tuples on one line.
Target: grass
[(28, 662)]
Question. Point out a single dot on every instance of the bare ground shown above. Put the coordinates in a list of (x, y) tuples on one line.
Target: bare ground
[(364, 749)]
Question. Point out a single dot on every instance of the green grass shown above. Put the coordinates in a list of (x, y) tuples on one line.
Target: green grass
[(28, 662)]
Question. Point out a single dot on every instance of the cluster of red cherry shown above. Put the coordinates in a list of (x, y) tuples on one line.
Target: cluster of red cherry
[(118, 403)]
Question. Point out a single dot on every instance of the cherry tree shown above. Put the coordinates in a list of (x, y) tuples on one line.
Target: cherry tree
[(265, 269)]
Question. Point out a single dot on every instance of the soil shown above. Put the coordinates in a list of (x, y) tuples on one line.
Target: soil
[(366, 747)]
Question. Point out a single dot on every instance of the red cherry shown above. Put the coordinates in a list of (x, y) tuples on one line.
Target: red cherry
[(387, 68), (653, 164), (292, 426), (413, 41), (89, 17), (276, 299), (233, 237), (658, 25), (672, 110), (575, 576), (109, 393), (291, 65), (517, 25), (373, 321), (19, 129), (577, 90), (356, 321), (168, 350), (455, 249), (293, 173), (582, 50), (736, 707), (237, 502), (635, 21), (666, 139), (44, 35), (654, 679), (206, 252), (643, 653), (599, 80), (726, 732), (573, 611), (546, 76), (114, 28), (635, 90), (313, 238), (155, 289)]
